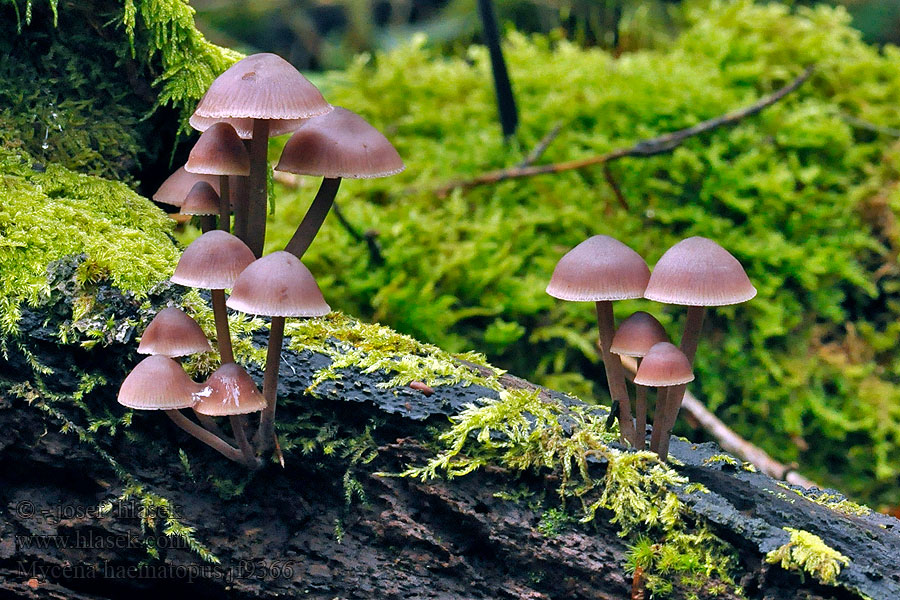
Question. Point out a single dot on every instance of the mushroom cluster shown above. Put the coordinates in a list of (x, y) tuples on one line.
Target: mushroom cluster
[(695, 272), (227, 174)]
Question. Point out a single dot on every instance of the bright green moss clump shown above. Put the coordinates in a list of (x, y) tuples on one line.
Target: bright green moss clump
[(802, 195), (807, 553)]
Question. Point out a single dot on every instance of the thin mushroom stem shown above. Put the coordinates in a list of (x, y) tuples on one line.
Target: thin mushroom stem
[(266, 434), (238, 422), (207, 223), (258, 187), (640, 413), (223, 334), (615, 374), (658, 430), (210, 424), (315, 216), (239, 184), (208, 438), (689, 340), (224, 204)]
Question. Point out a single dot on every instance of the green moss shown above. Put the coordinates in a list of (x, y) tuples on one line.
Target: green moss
[(722, 459), (807, 553), (524, 432), (835, 502)]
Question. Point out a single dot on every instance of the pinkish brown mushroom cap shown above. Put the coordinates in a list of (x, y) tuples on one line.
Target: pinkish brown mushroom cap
[(599, 268), (158, 383), (664, 366), (699, 272), (278, 285), (201, 200), (262, 86), (637, 334), (244, 127), (176, 188), (213, 261), (229, 391), (172, 333), (219, 151), (339, 144)]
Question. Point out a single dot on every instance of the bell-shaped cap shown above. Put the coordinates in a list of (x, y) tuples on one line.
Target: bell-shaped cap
[(172, 333), (219, 151), (176, 188), (665, 365), (244, 127), (599, 268), (201, 200), (699, 272), (229, 391), (213, 261), (637, 334), (278, 285), (158, 383), (262, 86), (339, 144)]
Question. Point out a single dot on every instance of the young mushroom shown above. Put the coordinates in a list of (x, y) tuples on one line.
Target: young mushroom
[(634, 337), (220, 151), (176, 187), (338, 144), (278, 286), (202, 201), (663, 367), (270, 92), (602, 269), (696, 272)]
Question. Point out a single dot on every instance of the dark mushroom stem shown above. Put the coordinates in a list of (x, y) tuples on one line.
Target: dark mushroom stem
[(266, 434), (675, 394), (224, 204), (615, 374), (239, 184), (207, 223), (238, 426), (315, 216), (208, 438), (258, 187), (223, 334), (640, 413)]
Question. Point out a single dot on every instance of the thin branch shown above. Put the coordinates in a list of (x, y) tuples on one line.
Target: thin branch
[(370, 237), (607, 174), (541, 146), (869, 126), (731, 441), (658, 145)]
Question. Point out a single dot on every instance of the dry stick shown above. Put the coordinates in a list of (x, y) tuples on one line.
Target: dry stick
[(205, 436), (617, 191), (258, 187), (370, 237), (542, 146), (314, 218), (658, 145), (731, 441), (224, 204), (615, 374)]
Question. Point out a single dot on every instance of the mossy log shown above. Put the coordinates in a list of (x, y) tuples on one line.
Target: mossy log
[(329, 528)]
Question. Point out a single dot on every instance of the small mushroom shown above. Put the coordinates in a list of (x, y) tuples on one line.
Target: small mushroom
[(635, 336), (602, 269), (220, 151), (203, 201), (175, 189), (696, 272), (277, 286), (338, 144), (172, 333)]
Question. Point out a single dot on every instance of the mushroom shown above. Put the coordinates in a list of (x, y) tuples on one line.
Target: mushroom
[(278, 286), (634, 337), (172, 333), (176, 187), (696, 272), (159, 383), (602, 269), (270, 92), (220, 151), (203, 201), (230, 392), (663, 367), (338, 144)]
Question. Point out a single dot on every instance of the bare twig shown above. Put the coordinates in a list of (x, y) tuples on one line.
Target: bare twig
[(607, 174), (731, 441), (370, 237), (658, 145), (538, 151), (869, 126)]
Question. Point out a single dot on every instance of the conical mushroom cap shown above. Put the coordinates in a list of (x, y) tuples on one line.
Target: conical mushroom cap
[(201, 200), (244, 127), (699, 272), (229, 391), (176, 188), (172, 333), (278, 285), (262, 86), (665, 365), (637, 334), (213, 261), (158, 383), (219, 151), (339, 144), (599, 268)]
